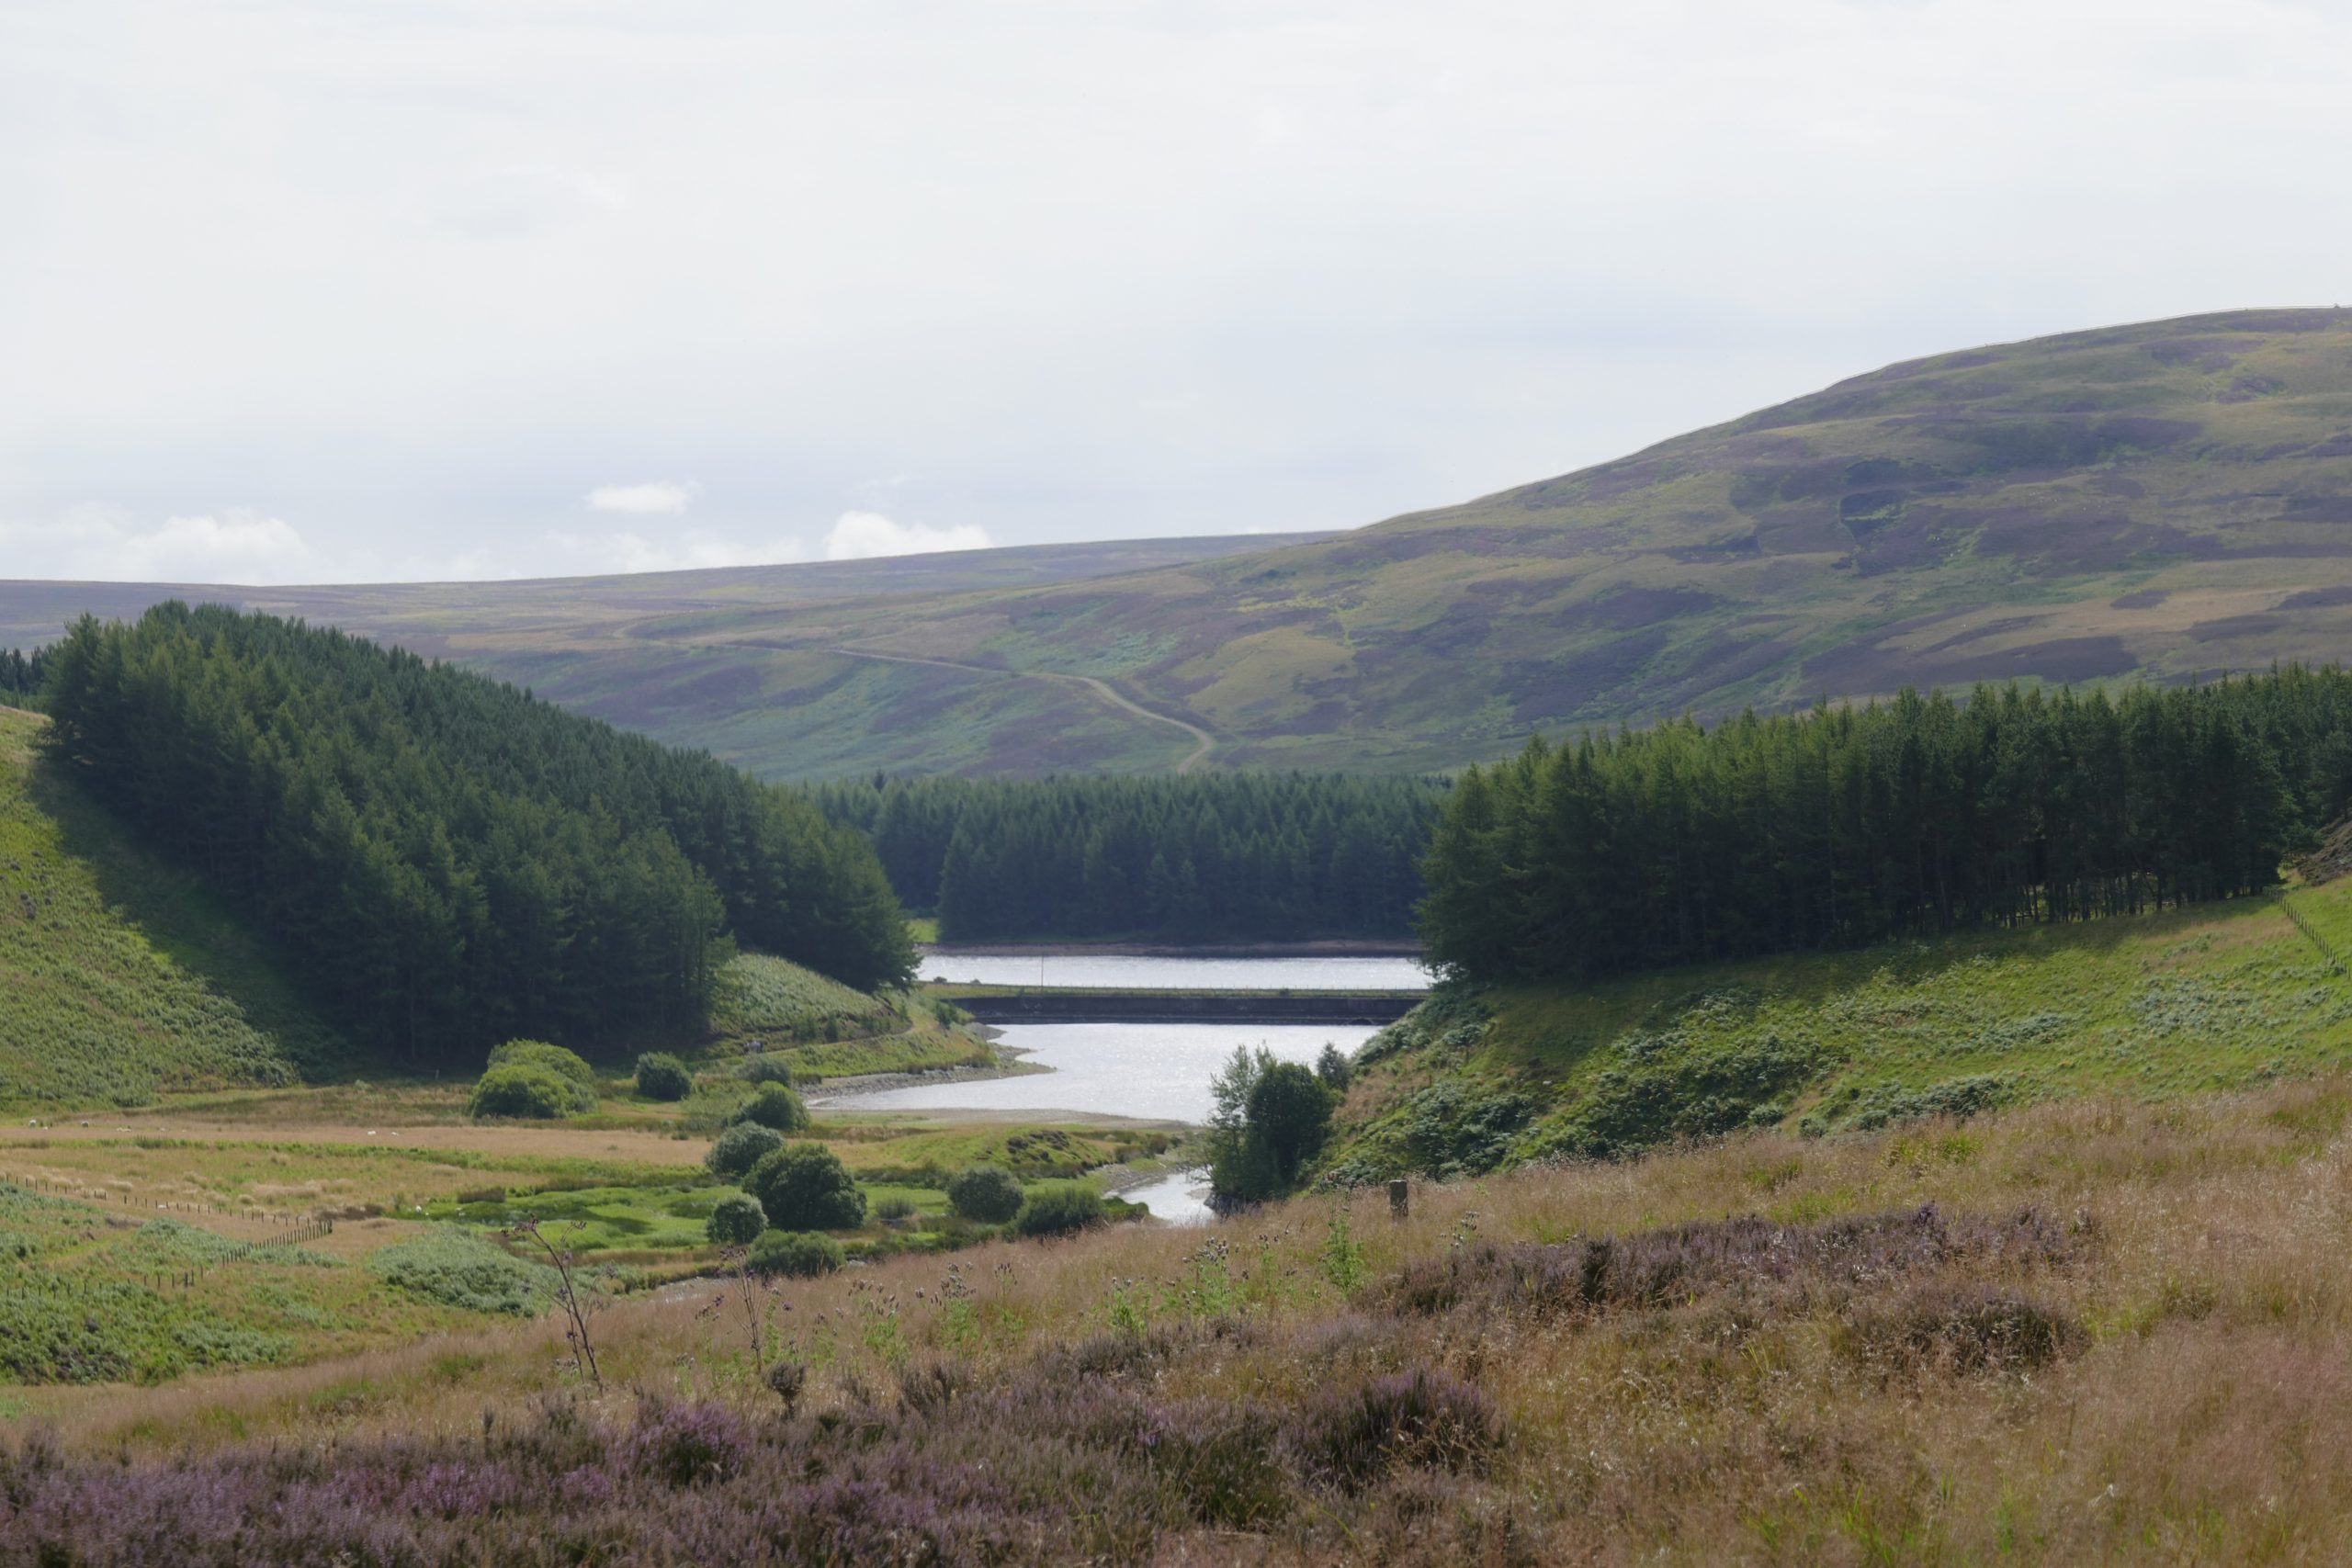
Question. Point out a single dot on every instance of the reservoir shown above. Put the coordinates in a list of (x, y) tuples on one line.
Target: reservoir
[(1156, 1071), (1082, 970)]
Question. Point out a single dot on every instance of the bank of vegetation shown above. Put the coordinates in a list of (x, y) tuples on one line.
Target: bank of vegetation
[(446, 861), (1194, 858)]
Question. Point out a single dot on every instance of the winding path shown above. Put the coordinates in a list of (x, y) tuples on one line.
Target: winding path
[(1203, 741)]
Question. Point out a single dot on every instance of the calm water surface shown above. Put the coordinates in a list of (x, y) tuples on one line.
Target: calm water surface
[(1155, 1071), (1186, 974)]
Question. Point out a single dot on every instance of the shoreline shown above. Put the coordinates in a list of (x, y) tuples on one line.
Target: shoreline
[(1337, 947), (826, 1092)]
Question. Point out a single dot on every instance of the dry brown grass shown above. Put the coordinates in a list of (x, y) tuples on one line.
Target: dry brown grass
[(2201, 1411)]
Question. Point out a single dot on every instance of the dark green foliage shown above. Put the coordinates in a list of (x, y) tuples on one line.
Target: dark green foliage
[(1859, 1110), (449, 861), (736, 1221), (1060, 1208), (660, 1076), (739, 1147), (1658, 1090), (524, 1091), (22, 675), (805, 1187), (776, 1108), (1269, 1119), (1450, 1129), (1850, 826), (1278, 855), (986, 1193), (565, 1064), (799, 1255), (764, 1068), (1335, 1067)]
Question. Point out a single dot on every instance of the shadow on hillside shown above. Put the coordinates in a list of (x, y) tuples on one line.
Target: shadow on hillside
[(188, 922)]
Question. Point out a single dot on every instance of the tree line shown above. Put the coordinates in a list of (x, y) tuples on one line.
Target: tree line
[(1846, 826), (1238, 855), (21, 676), (446, 860)]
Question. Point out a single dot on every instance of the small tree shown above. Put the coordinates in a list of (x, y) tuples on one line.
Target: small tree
[(986, 1193), (526, 1091), (739, 1148), (565, 1064), (1060, 1208), (797, 1253), (1269, 1119), (805, 1187), (765, 1068), (776, 1108), (660, 1076), (1335, 1067), (736, 1221)]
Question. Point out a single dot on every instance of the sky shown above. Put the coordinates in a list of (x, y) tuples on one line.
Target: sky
[(356, 291)]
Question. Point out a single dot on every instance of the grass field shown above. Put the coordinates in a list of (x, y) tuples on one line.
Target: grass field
[(2213, 998), (2104, 1329)]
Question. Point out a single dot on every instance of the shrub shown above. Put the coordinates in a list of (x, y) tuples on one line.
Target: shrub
[(1060, 1208), (764, 1068), (660, 1076), (565, 1064), (786, 1379), (684, 1445), (805, 1187), (893, 1208), (736, 1221), (1270, 1118), (776, 1108), (986, 1193), (1353, 1437), (1335, 1067), (523, 1091), (739, 1148), (799, 1255), (459, 1269)]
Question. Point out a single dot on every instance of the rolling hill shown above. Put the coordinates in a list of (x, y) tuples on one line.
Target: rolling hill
[(2157, 502)]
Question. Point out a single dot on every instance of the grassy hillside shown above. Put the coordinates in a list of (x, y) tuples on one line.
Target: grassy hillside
[(121, 978), (2090, 1331), (2214, 998)]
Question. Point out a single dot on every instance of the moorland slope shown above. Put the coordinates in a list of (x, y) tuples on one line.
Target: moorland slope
[(2158, 500)]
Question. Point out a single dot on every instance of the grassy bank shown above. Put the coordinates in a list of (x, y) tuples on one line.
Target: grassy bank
[(2213, 998)]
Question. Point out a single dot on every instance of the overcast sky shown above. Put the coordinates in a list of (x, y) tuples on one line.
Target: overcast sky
[(356, 290)]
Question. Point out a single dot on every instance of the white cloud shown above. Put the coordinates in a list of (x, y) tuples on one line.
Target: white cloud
[(860, 536), (566, 553), (659, 496), (106, 544)]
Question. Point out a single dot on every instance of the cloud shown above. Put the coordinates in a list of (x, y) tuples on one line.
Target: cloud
[(659, 496), (860, 536), (685, 550), (105, 544)]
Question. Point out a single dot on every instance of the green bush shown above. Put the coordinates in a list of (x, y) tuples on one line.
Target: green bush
[(776, 1108), (738, 1221), (660, 1076), (461, 1269), (1060, 1208), (739, 1148), (523, 1091), (565, 1064), (986, 1193), (798, 1254), (805, 1187), (891, 1209), (765, 1067)]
